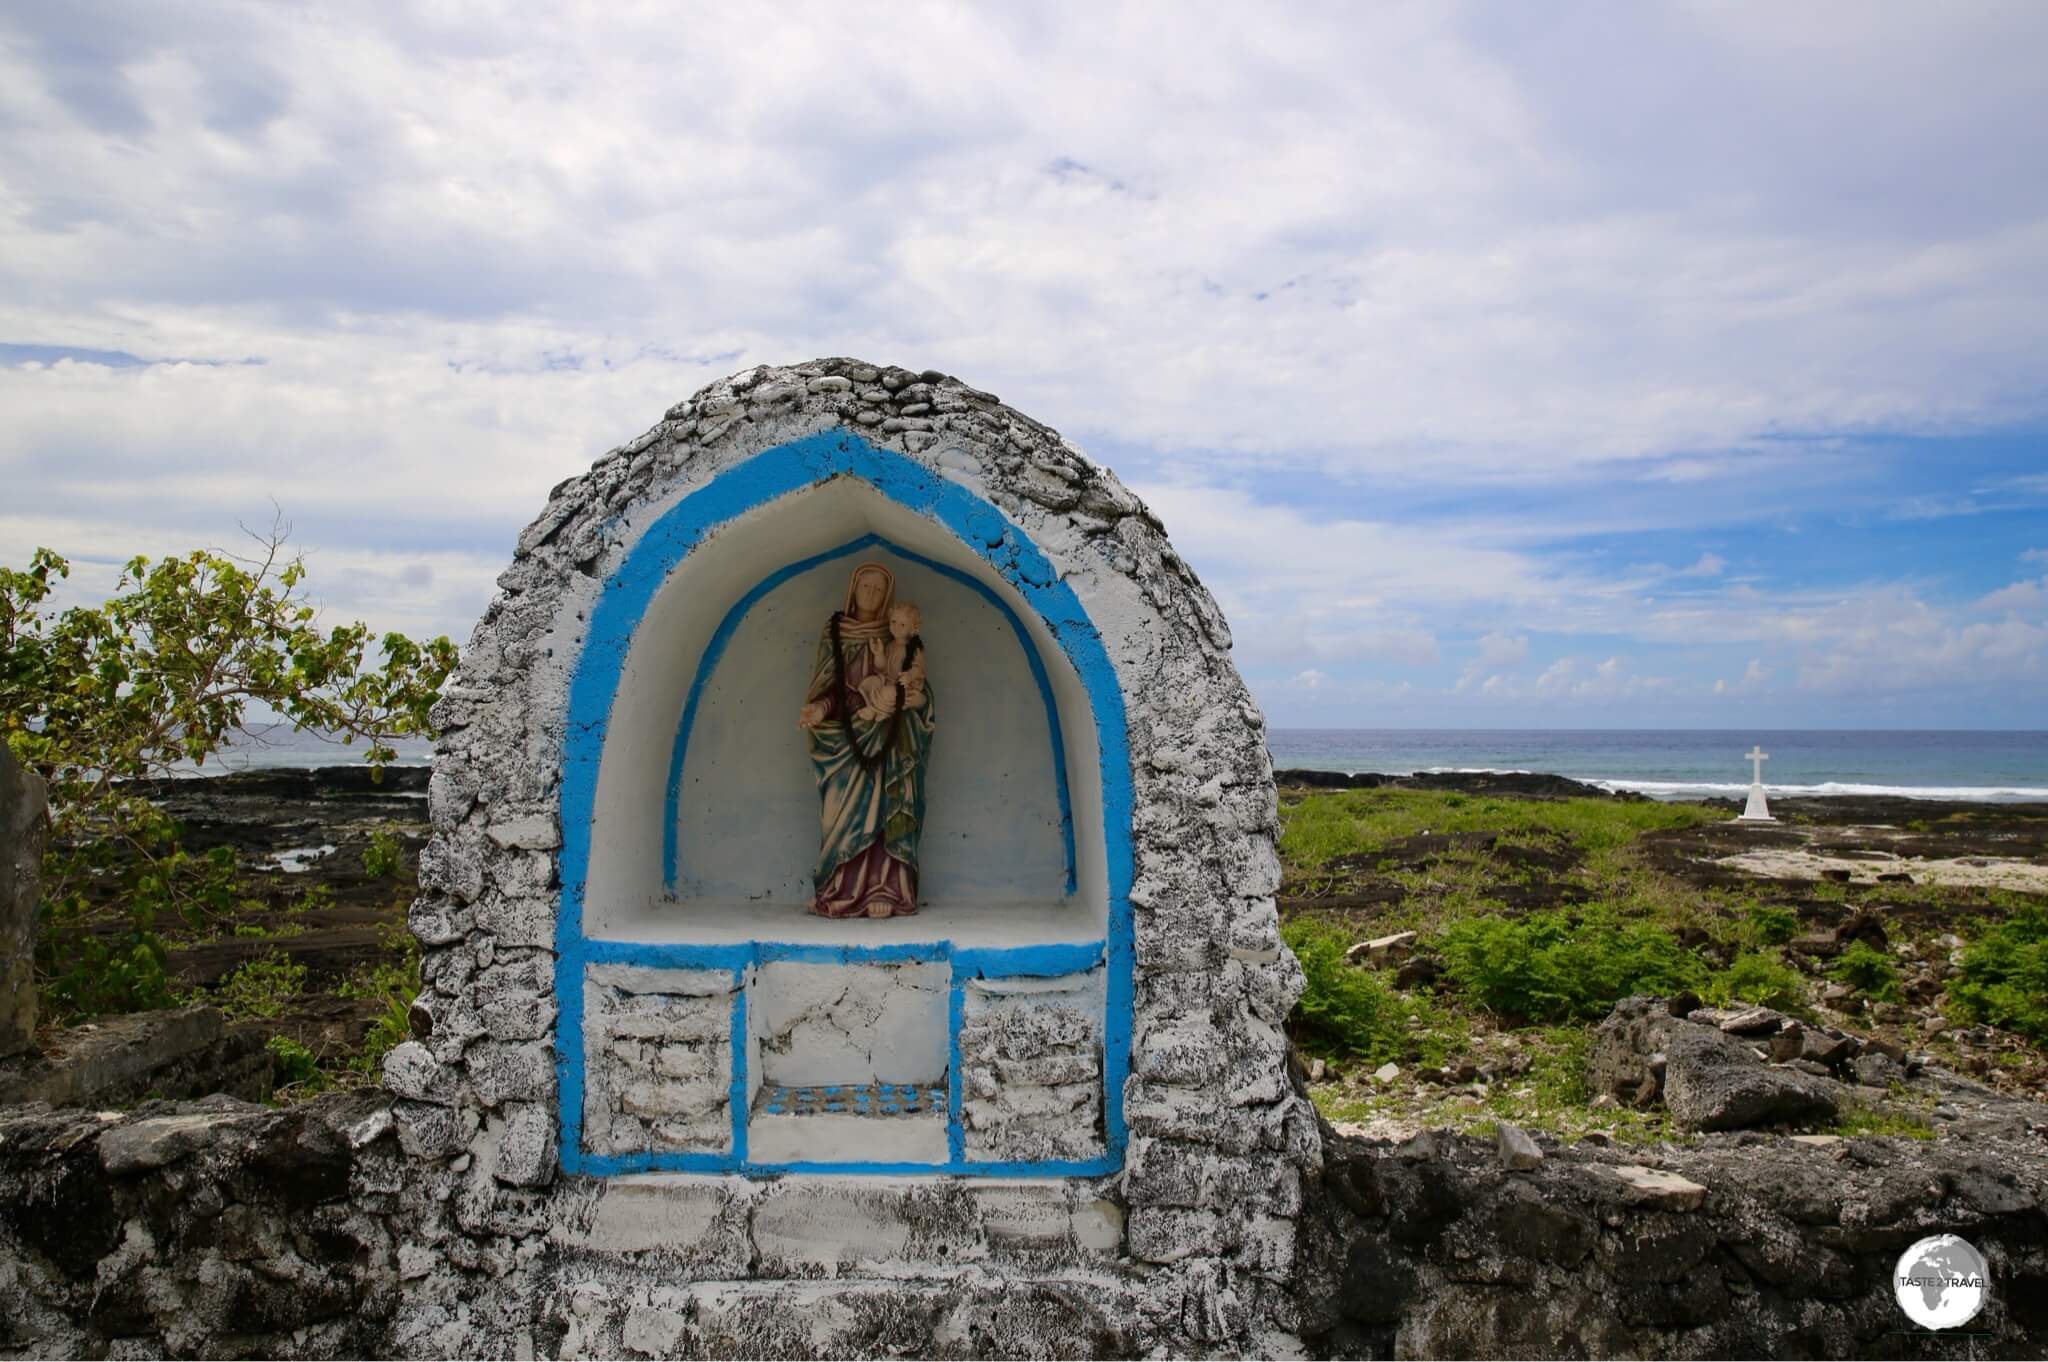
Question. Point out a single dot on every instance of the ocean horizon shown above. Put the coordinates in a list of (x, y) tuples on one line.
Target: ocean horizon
[(1996, 765), (1993, 765)]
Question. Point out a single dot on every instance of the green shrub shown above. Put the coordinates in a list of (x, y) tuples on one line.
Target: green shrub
[(85, 976), (396, 983), (1346, 1010), (1869, 971), (262, 987), (1760, 980), (160, 678), (390, 1028), (1550, 967), (384, 857), (293, 1064), (2003, 977), (313, 899), (1772, 924)]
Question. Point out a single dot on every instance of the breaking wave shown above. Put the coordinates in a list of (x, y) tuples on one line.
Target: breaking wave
[(1700, 789)]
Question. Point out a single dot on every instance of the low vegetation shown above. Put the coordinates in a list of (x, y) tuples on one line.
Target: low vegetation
[(261, 989), (1532, 917), (2003, 975), (1550, 967), (1356, 1013), (158, 679)]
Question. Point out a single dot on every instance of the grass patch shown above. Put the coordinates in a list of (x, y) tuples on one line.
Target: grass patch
[(1761, 981), (295, 1066), (395, 983), (384, 857), (1350, 1012), (1553, 967), (263, 987), (1770, 924), (1321, 827), (2003, 977), (1881, 1121), (1869, 971)]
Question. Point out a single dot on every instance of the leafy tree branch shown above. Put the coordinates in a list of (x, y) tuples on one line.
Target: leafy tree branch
[(162, 676)]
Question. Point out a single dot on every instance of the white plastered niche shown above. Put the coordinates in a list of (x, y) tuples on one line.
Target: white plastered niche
[(993, 854)]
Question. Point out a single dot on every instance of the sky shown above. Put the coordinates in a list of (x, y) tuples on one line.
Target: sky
[(1561, 365)]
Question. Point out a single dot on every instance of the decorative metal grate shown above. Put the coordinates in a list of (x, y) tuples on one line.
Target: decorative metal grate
[(853, 1099)]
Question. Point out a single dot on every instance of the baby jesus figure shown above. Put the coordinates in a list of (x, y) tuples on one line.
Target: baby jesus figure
[(898, 659)]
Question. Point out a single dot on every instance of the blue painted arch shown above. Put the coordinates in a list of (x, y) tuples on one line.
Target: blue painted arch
[(622, 602)]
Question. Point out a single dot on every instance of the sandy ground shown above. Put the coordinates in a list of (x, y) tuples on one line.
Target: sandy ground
[(1978, 872)]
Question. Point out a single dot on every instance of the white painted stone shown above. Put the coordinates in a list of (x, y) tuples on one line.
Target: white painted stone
[(410, 1070), (821, 1224), (1099, 1225), (649, 1212), (642, 979), (830, 1137), (686, 1062), (679, 1024), (823, 1024), (651, 1101), (1653, 1187), (536, 832), (1036, 1214), (526, 1154), (653, 1332), (910, 1043)]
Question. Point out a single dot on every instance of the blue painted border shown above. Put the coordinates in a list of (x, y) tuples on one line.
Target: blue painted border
[(623, 601), (741, 958), (714, 653)]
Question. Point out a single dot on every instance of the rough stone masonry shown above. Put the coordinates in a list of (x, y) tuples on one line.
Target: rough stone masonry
[(1188, 1246)]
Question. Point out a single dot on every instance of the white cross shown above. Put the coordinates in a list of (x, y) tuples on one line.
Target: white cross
[(1757, 757)]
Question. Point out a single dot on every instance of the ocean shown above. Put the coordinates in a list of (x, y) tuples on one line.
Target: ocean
[(1662, 763), (1695, 763)]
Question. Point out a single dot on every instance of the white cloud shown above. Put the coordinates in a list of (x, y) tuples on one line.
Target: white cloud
[(1499, 650), (2021, 598), (1310, 679), (1576, 679), (1707, 565), (1495, 649), (1442, 252), (1359, 212), (2034, 556)]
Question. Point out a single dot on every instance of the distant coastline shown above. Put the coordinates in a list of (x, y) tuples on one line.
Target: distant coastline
[(1666, 764), (1690, 764)]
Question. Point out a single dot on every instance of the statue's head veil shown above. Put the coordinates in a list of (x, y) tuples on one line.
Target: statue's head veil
[(888, 587)]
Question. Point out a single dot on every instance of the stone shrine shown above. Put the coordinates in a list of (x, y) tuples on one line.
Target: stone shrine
[(1015, 1080)]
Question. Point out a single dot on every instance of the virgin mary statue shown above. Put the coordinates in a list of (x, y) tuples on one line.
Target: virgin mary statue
[(868, 714)]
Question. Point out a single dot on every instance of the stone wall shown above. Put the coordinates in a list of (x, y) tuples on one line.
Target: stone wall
[(24, 825), (208, 1229), (223, 1229), (186, 1052), (1744, 1245)]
